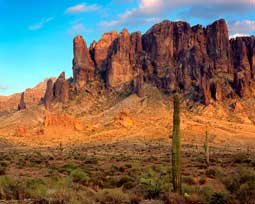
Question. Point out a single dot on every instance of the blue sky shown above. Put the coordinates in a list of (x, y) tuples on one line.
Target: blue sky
[(36, 35)]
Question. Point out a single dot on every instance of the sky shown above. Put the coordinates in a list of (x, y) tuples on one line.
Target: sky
[(36, 35)]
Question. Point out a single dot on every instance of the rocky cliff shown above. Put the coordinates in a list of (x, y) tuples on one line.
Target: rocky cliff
[(30, 97), (198, 62)]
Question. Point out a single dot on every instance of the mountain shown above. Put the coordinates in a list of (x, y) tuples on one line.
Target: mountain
[(200, 63)]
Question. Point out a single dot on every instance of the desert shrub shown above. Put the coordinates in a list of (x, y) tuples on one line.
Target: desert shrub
[(8, 188), (3, 167), (241, 157), (112, 196), (242, 184), (90, 160), (36, 158), (135, 199), (115, 169), (202, 180), (246, 175), (219, 198), (128, 166), (56, 189), (134, 172), (154, 184), (35, 188), (98, 179), (173, 198), (211, 173), (152, 187), (79, 176), (68, 168), (214, 172), (126, 181), (5, 156), (188, 180), (188, 189), (206, 192), (246, 193), (232, 183), (193, 199)]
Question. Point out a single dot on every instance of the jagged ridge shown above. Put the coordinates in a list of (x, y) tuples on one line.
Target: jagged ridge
[(196, 61)]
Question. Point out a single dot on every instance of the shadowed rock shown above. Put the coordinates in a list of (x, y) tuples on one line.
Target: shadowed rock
[(48, 97), (61, 89), (22, 104)]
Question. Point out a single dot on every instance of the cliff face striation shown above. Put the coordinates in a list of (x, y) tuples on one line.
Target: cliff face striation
[(198, 62)]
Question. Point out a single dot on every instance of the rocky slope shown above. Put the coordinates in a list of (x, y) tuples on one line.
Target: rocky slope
[(200, 63), (27, 99)]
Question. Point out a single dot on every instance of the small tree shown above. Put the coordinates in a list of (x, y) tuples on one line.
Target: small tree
[(176, 147), (206, 146)]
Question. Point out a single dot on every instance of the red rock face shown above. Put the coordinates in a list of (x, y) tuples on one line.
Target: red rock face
[(22, 104), (100, 51), (83, 66), (200, 62), (61, 89), (218, 45), (57, 92), (48, 97), (120, 70), (243, 63)]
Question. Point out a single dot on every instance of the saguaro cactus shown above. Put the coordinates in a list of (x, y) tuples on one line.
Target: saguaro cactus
[(176, 147), (206, 146)]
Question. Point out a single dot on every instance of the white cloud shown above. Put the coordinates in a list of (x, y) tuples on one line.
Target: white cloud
[(81, 8), (245, 26), (78, 27), (2, 87), (211, 9), (152, 20), (41, 24), (237, 35), (138, 16), (152, 6)]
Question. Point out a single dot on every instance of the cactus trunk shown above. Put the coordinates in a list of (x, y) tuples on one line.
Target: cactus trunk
[(207, 154), (176, 147)]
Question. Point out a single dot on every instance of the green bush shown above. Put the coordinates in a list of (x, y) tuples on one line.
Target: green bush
[(219, 198), (126, 181), (3, 167), (188, 180), (202, 180), (246, 175), (79, 176), (8, 188), (214, 173), (241, 157), (246, 192), (36, 188), (68, 168), (112, 196), (206, 193), (232, 183), (153, 184), (188, 189)]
